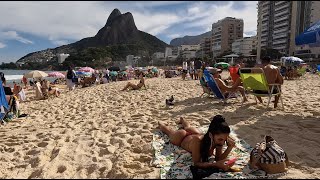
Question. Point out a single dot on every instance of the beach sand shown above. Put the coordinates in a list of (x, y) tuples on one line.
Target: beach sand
[(100, 132)]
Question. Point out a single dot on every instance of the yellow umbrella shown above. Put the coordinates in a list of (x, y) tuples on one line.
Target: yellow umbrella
[(36, 74)]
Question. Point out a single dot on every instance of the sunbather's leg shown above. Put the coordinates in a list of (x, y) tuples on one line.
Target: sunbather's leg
[(260, 99), (175, 136), (187, 127), (242, 91), (276, 100), (133, 86)]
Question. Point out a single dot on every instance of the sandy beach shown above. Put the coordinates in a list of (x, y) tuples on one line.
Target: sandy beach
[(100, 132)]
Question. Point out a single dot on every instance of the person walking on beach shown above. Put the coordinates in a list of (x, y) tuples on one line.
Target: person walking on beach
[(202, 146), (70, 75), (184, 70), (24, 80)]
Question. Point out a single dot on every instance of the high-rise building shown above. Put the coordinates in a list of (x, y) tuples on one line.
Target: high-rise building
[(279, 22), (206, 47), (224, 33), (244, 46)]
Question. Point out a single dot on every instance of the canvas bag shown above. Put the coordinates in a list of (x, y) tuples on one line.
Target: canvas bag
[(269, 156)]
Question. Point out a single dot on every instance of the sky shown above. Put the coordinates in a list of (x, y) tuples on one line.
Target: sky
[(28, 26)]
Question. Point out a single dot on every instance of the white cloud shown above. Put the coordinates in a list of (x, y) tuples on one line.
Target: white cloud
[(212, 13), (58, 21), (2, 45), (59, 42), (13, 35)]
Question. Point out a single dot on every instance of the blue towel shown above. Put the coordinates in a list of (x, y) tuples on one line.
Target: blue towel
[(3, 101)]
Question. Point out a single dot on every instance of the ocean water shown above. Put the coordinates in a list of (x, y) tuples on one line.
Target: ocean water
[(16, 76)]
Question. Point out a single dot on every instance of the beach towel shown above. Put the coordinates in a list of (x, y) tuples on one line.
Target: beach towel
[(174, 162), (4, 106)]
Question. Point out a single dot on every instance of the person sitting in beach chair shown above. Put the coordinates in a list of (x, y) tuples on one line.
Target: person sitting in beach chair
[(47, 90), (263, 82), (135, 87), (202, 146), (226, 90)]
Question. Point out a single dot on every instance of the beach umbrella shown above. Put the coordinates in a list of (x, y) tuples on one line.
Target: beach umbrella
[(310, 37), (223, 64), (154, 69), (83, 73), (113, 73), (56, 74), (114, 68), (36, 74), (87, 69), (231, 56)]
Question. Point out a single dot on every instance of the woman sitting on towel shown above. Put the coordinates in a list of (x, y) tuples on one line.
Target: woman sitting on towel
[(201, 146), (133, 86)]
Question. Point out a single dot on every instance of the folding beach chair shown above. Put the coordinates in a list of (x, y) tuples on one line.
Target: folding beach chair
[(205, 87), (214, 87), (255, 83)]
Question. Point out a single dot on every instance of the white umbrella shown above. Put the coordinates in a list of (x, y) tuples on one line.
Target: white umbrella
[(36, 74)]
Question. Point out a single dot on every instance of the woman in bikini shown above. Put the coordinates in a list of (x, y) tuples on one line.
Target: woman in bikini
[(201, 146), (133, 86)]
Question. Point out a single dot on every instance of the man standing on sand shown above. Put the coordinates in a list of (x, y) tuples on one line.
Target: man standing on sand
[(184, 70), (197, 68), (273, 76)]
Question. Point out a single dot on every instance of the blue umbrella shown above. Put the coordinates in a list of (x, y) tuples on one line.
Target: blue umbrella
[(311, 36)]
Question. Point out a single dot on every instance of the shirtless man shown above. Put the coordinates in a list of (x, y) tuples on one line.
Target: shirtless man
[(273, 76), (201, 146), (133, 86), (227, 89)]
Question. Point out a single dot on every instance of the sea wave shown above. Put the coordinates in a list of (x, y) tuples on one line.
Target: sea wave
[(13, 77)]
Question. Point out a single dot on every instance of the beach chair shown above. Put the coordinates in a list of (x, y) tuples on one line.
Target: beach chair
[(205, 88), (254, 80), (214, 87), (302, 71), (39, 94)]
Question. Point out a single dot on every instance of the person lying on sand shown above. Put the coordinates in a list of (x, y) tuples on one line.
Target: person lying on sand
[(201, 146), (133, 86), (227, 89)]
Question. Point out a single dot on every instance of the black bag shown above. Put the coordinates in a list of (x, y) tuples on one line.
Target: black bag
[(199, 173)]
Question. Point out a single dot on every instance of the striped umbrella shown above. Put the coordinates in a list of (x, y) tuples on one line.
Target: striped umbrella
[(56, 74), (87, 69)]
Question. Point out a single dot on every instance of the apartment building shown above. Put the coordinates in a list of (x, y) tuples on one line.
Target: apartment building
[(206, 47), (279, 22), (245, 45), (189, 51), (224, 33), (171, 53)]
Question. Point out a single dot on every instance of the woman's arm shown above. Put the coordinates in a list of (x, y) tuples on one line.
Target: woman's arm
[(224, 155)]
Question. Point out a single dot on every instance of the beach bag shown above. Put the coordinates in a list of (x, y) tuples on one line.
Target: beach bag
[(269, 157), (200, 173)]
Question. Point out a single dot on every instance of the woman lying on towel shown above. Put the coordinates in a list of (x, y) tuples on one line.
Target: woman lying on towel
[(201, 146), (133, 86)]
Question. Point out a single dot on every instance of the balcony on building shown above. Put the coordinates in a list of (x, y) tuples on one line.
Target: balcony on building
[(281, 18), (281, 30), (281, 25), (280, 41), (280, 47), (277, 36), (282, 6), (280, 2), (280, 13)]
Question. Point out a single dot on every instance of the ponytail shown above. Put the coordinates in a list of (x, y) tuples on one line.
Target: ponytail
[(218, 125)]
